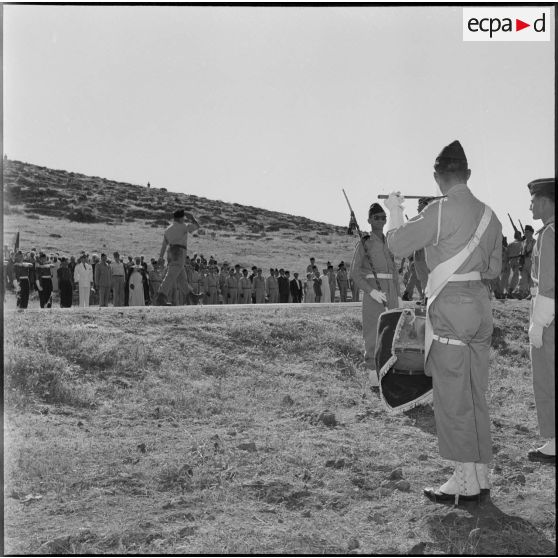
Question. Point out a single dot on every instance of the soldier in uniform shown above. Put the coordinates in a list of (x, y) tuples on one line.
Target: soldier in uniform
[(514, 255), (258, 287), (463, 242), (103, 280), (272, 287), (374, 298), (342, 281), (231, 285), (525, 281), (21, 280), (211, 286), (43, 281), (541, 327), (176, 239), (245, 288)]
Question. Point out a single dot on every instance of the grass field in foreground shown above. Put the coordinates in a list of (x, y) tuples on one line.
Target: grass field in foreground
[(196, 431)]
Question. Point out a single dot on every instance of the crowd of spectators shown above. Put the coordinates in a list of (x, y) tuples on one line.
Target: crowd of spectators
[(93, 279)]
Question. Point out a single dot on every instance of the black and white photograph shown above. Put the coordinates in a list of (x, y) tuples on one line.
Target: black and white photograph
[(279, 279)]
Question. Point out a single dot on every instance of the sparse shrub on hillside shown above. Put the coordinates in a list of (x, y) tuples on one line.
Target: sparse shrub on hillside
[(83, 215)]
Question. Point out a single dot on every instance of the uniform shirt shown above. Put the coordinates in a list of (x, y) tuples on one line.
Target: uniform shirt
[(271, 283), (231, 282), (103, 274), (382, 260), (22, 270), (117, 268), (514, 250), (342, 278), (177, 233), (445, 227), (83, 274), (258, 284), (245, 284), (42, 271), (542, 265)]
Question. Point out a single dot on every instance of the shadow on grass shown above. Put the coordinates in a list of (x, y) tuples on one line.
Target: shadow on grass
[(485, 530), (423, 418)]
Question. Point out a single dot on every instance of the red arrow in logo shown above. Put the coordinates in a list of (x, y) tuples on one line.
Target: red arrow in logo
[(519, 25)]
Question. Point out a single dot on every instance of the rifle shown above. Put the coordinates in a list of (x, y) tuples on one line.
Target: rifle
[(522, 229), (354, 224), (385, 197), (515, 229)]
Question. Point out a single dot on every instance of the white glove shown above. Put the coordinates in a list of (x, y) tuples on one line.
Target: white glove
[(378, 296), (394, 201), (535, 335)]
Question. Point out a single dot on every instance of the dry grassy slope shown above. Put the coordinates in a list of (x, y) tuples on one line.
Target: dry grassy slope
[(67, 212), (203, 430)]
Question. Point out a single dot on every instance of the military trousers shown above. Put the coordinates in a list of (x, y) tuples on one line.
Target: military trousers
[(542, 365), (176, 274), (245, 296), (371, 311), (232, 296), (118, 290), (514, 278), (23, 294), (45, 293), (260, 296), (104, 295), (462, 311)]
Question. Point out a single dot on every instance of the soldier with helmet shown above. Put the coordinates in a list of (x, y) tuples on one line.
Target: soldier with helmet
[(542, 316), (462, 239)]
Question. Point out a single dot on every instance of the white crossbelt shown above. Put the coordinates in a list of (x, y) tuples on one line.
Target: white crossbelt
[(380, 276), (471, 276), (447, 340)]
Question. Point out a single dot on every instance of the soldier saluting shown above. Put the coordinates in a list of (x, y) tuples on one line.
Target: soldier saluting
[(541, 327), (176, 239), (462, 238)]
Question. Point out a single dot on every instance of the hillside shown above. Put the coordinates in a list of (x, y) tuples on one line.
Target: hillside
[(90, 199), (66, 212), (205, 430)]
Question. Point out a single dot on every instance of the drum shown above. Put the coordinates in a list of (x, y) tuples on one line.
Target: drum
[(400, 359)]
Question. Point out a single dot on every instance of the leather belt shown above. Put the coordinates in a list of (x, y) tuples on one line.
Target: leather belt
[(447, 340), (471, 276), (380, 276), (408, 372)]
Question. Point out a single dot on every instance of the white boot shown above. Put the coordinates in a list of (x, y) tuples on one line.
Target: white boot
[(463, 484), (549, 448), (482, 478), (544, 454), (374, 379)]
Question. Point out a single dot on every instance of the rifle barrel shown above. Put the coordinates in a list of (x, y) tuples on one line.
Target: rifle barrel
[(385, 197)]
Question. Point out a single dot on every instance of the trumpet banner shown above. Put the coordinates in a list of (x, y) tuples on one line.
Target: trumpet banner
[(400, 359)]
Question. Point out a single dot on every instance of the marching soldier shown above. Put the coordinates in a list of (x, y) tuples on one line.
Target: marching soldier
[(245, 288), (21, 281), (463, 242), (514, 255), (374, 298), (43, 281), (176, 239), (541, 328), (342, 281), (525, 281)]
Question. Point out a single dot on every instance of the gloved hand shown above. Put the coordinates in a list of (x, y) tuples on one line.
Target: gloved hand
[(535, 335), (378, 296), (394, 201)]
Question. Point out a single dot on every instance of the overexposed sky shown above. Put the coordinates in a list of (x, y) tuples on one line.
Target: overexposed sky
[(277, 107)]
